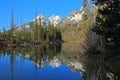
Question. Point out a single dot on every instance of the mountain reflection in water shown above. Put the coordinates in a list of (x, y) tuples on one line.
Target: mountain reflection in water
[(57, 62), (34, 63)]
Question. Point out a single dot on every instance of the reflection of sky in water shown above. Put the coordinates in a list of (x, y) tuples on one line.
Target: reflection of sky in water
[(25, 70)]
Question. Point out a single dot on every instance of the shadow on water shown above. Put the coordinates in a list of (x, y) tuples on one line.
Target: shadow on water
[(99, 65), (103, 66)]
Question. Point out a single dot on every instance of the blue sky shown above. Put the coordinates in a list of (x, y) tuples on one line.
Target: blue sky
[(27, 9)]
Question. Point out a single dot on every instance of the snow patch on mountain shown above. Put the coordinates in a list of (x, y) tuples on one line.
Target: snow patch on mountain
[(76, 17), (41, 19), (54, 19), (27, 27), (72, 18)]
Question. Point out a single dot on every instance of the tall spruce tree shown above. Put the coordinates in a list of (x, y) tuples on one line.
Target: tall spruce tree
[(40, 31), (35, 31)]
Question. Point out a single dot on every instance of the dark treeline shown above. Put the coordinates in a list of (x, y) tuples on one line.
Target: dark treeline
[(38, 34)]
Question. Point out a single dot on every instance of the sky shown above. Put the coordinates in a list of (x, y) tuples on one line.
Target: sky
[(27, 9)]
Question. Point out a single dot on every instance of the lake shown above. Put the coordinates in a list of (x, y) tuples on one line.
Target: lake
[(34, 63), (55, 62)]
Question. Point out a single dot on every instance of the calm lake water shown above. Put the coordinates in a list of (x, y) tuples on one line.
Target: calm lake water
[(19, 68), (48, 62), (35, 63)]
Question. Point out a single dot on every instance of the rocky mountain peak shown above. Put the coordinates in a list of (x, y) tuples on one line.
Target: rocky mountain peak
[(43, 19), (72, 18), (54, 19)]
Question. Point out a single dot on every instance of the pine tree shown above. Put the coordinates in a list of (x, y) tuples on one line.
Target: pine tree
[(51, 31), (4, 33), (108, 21), (85, 2), (58, 35), (40, 31), (86, 8), (35, 31)]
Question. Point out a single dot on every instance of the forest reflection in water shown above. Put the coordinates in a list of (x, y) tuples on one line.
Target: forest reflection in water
[(34, 63), (33, 53), (93, 66), (56, 62), (102, 66)]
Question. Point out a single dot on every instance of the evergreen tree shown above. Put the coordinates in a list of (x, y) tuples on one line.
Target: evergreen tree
[(85, 2), (35, 31), (40, 31), (4, 33), (51, 32), (108, 21), (86, 8), (58, 35)]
